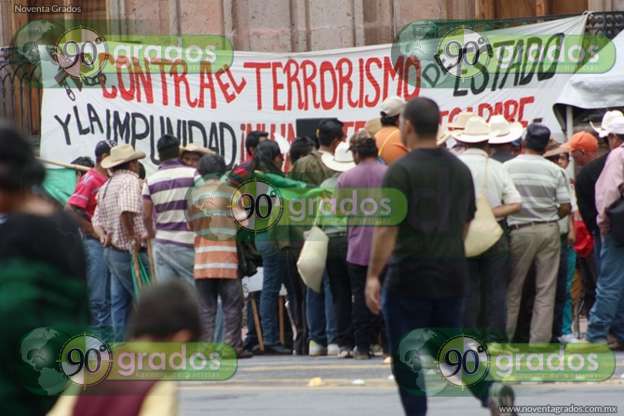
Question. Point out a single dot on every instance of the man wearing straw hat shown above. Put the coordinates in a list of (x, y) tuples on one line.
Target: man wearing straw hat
[(503, 135), (485, 304), (191, 153), (118, 220), (82, 204)]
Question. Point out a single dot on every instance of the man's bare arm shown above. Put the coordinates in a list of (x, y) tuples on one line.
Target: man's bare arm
[(80, 216), (384, 241)]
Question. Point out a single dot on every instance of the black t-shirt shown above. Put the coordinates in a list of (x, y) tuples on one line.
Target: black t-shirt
[(585, 187), (429, 259)]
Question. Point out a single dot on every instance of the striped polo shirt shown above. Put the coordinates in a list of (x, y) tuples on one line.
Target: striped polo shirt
[(542, 185), (211, 218), (167, 188)]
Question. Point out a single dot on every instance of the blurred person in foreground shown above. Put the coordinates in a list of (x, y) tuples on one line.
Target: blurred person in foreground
[(43, 294), (427, 269), (216, 258), (165, 313), (118, 220), (82, 205)]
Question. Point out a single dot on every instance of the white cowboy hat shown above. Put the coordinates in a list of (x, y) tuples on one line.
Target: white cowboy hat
[(443, 135), (616, 125), (609, 116), (504, 131), (460, 120), (341, 160), (193, 148), (121, 154), (477, 130)]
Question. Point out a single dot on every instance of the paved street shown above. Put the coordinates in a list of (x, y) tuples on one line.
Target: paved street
[(278, 386)]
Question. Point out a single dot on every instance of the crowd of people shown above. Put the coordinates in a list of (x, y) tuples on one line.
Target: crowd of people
[(437, 268)]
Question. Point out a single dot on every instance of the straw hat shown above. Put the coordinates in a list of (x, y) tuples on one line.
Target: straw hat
[(341, 160), (193, 148), (121, 154), (443, 135), (477, 130), (504, 131), (609, 116), (554, 148), (373, 126), (460, 120)]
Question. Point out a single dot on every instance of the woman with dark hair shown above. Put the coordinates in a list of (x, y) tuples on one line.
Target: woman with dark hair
[(278, 249), (42, 278)]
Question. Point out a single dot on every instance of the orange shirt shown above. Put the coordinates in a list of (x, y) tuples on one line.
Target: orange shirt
[(389, 143)]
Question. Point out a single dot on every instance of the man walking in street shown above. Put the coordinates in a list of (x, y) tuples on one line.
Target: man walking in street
[(535, 231), (164, 194), (82, 205), (118, 221), (427, 270), (607, 314)]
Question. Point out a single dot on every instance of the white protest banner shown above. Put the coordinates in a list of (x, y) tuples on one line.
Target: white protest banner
[(142, 99)]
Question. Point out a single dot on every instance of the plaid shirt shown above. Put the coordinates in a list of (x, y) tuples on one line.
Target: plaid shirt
[(122, 193)]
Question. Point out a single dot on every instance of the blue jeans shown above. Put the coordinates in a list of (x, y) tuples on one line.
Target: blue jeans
[(174, 262), (608, 310), (404, 314), (273, 270), (122, 292), (98, 286), (320, 314), (566, 327), (597, 251)]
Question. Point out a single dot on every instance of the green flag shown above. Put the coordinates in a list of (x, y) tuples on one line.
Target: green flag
[(60, 183)]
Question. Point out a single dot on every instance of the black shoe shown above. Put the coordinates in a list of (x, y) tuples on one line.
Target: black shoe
[(242, 354), (276, 349), (501, 400), (361, 355)]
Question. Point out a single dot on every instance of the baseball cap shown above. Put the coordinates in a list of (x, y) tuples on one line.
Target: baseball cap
[(583, 141), (103, 148), (537, 136), (392, 106)]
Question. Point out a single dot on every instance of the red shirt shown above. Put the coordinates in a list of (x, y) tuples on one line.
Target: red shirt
[(84, 197)]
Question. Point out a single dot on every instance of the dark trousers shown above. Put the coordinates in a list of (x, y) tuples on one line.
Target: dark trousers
[(340, 285), (362, 317), (484, 309), (405, 314), (296, 299), (561, 293), (231, 293)]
